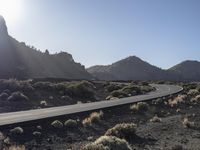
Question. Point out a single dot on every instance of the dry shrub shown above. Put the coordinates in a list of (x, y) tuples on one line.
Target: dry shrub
[(124, 130), (139, 107), (196, 99), (193, 92), (108, 143), (187, 123), (155, 119), (94, 117), (177, 100)]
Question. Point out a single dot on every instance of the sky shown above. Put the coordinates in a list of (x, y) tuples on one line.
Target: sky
[(100, 32)]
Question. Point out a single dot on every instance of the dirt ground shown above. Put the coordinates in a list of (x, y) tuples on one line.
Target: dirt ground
[(168, 134)]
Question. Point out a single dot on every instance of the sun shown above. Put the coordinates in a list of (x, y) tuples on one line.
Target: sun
[(10, 9)]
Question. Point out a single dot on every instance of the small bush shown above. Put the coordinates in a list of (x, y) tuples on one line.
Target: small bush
[(139, 107), (82, 89), (71, 123), (16, 131), (187, 123), (112, 87), (94, 117), (108, 143), (15, 85), (193, 92), (118, 93), (57, 124), (155, 119), (196, 99), (43, 103), (177, 100), (18, 96), (124, 130)]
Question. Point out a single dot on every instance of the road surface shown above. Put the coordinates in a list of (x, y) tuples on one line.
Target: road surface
[(30, 115)]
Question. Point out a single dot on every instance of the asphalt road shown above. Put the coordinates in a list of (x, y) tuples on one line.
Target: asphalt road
[(30, 115)]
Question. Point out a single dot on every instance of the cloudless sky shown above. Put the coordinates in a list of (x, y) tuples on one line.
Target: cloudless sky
[(162, 32)]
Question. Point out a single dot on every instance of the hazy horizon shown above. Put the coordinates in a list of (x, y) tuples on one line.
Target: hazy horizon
[(162, 33)]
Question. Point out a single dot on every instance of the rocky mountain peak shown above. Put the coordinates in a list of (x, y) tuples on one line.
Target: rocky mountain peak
[(3, 27)]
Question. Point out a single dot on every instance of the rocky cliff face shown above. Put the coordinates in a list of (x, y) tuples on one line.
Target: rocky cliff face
[(17, 60)]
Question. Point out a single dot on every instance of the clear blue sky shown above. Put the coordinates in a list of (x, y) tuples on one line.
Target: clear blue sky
[(162, 32)]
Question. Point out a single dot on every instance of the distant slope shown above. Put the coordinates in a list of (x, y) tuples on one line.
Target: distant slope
[(187, 70), (17, 60), (131, 68)]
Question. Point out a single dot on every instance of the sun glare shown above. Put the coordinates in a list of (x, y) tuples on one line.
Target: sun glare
[(10, 9)]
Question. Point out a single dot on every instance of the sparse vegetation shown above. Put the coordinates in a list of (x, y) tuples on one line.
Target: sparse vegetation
[(94, 117), (177, 100), (57, 124), (16, 131), (124, 130), (193, 92), (155, 119), (70, 123), (108, 143), (187, 123), (139, 107)]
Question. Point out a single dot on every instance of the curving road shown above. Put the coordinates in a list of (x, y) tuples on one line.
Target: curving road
[(30, 115)]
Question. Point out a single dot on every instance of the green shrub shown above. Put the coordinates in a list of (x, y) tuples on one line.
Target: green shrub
[(71, 123), (18, 96), (15, 85), (132, 89), (118, 93), (57, 124), (16, 131), (113, 87), (82, 89), (139, 107), (108, 143)]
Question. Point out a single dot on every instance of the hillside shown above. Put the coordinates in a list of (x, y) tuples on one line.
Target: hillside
[(131, 68), (17, 60), (187, 70)]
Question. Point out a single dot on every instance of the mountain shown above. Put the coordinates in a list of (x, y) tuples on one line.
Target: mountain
[(188, 70), (131, 68), (17, 60)]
